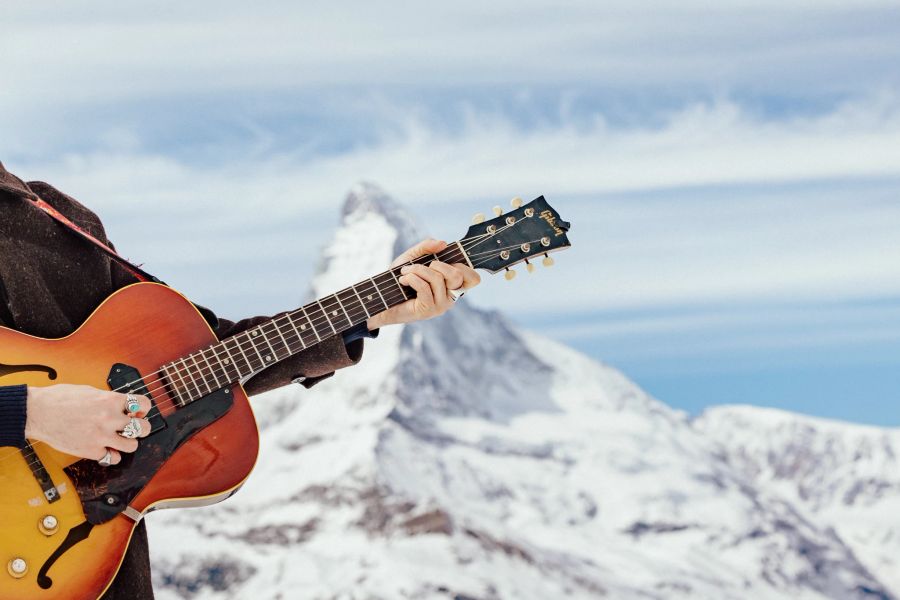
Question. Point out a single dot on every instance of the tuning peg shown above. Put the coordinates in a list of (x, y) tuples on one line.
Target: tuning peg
[(548, 260), (529, 266), (510, 274), (516, 202), (478, 218), (498, 211)]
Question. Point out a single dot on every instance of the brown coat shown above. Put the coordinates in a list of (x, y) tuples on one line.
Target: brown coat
[(50, 282)]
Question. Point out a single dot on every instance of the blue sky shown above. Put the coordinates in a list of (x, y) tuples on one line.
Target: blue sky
[(732, 173)]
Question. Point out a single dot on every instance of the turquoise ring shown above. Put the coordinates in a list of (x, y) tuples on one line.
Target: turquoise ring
[(132, 405)]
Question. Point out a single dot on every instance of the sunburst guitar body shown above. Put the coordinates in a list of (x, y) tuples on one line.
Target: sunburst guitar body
[(50, 547)]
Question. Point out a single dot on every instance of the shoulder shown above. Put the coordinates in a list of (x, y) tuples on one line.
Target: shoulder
[(70, 207)]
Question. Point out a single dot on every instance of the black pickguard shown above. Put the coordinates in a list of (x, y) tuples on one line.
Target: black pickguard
[(106, 491)]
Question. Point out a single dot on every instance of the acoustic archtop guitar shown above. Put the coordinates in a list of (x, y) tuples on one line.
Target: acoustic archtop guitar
[(66, 522)]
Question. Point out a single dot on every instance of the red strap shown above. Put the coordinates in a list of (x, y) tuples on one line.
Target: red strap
[(139, 273)]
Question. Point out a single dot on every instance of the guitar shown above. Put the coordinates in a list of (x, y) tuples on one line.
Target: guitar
[(67, 522)]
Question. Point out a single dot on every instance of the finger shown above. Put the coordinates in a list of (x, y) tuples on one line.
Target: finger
[(423, 290), (122, 444), (122, 420), (438, 287), (144, 401), (114, 457), (435, 279), (470, 276), (453, 278), (428, 246)]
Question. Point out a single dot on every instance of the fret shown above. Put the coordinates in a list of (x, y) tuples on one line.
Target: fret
[(287, 348), (191, 377), (308, 320), (379, 293), (226, 362), (200, 374), (212, 369), (325, 313), (371, 300), (363, 304), (249, 337), (388, 292), (274, 340), (397, 281), (343, 308), (250, 368), (353, 304), (173, 386), (463, 254), (268, 358), (296, 331), (336, 313)]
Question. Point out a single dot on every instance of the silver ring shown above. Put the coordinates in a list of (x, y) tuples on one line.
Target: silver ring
[(456, 294), (132, 430), (106, 460), (132, 404)]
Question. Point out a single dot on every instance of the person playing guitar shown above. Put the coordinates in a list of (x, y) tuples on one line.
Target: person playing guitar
[(56, 268)]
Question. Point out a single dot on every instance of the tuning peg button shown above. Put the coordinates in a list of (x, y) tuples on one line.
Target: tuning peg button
[(498, 211), (478, 218), (548, 261), (510, 274), (529, 267), (516, 202)]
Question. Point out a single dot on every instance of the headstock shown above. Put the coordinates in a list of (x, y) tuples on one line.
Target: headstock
[(524, 234)]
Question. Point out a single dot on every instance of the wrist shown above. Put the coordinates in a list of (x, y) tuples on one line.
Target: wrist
[(31, 401)]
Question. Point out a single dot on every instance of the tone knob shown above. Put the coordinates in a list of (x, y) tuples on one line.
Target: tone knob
[(17, 567), (48, 525)]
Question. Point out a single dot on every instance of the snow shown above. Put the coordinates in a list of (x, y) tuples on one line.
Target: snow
[(466, 458)]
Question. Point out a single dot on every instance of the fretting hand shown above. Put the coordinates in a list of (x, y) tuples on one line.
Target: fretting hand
[(432, 283)]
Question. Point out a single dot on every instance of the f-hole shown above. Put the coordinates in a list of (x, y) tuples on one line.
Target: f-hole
[(10, 369)]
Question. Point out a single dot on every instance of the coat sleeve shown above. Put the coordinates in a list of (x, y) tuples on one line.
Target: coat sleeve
[(307, 367)]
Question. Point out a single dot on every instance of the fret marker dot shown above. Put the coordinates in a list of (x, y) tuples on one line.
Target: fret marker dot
[(226, 361), (369, 297), (268, 357), (303, 328), (254, 333), (334, 313)]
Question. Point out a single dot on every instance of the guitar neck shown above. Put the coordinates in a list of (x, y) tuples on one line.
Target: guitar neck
[(235, 358)]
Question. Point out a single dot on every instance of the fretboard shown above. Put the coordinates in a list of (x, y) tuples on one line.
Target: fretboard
[(244, 354)]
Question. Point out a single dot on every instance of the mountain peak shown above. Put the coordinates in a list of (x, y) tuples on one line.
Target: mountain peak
[(367, 199)]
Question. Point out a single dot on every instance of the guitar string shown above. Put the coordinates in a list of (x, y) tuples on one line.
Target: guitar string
[(169, 404), (162, 405), (207, 373), (466, 242)]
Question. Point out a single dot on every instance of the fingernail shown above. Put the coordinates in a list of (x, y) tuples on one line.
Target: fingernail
[(405, 270)]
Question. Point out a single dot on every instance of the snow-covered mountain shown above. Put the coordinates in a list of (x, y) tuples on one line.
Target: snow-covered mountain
[(846, 476), (466, 459)]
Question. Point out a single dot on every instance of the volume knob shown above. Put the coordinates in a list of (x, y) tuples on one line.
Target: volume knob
[(48, 525), (17, 567)]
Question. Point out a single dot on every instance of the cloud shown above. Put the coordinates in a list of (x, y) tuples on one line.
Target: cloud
[(774, 208)]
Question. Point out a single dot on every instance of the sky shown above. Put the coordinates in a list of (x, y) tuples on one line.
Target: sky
[(731, 171)]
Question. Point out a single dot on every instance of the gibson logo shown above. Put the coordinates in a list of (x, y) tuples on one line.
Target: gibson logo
[(551, 221)]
